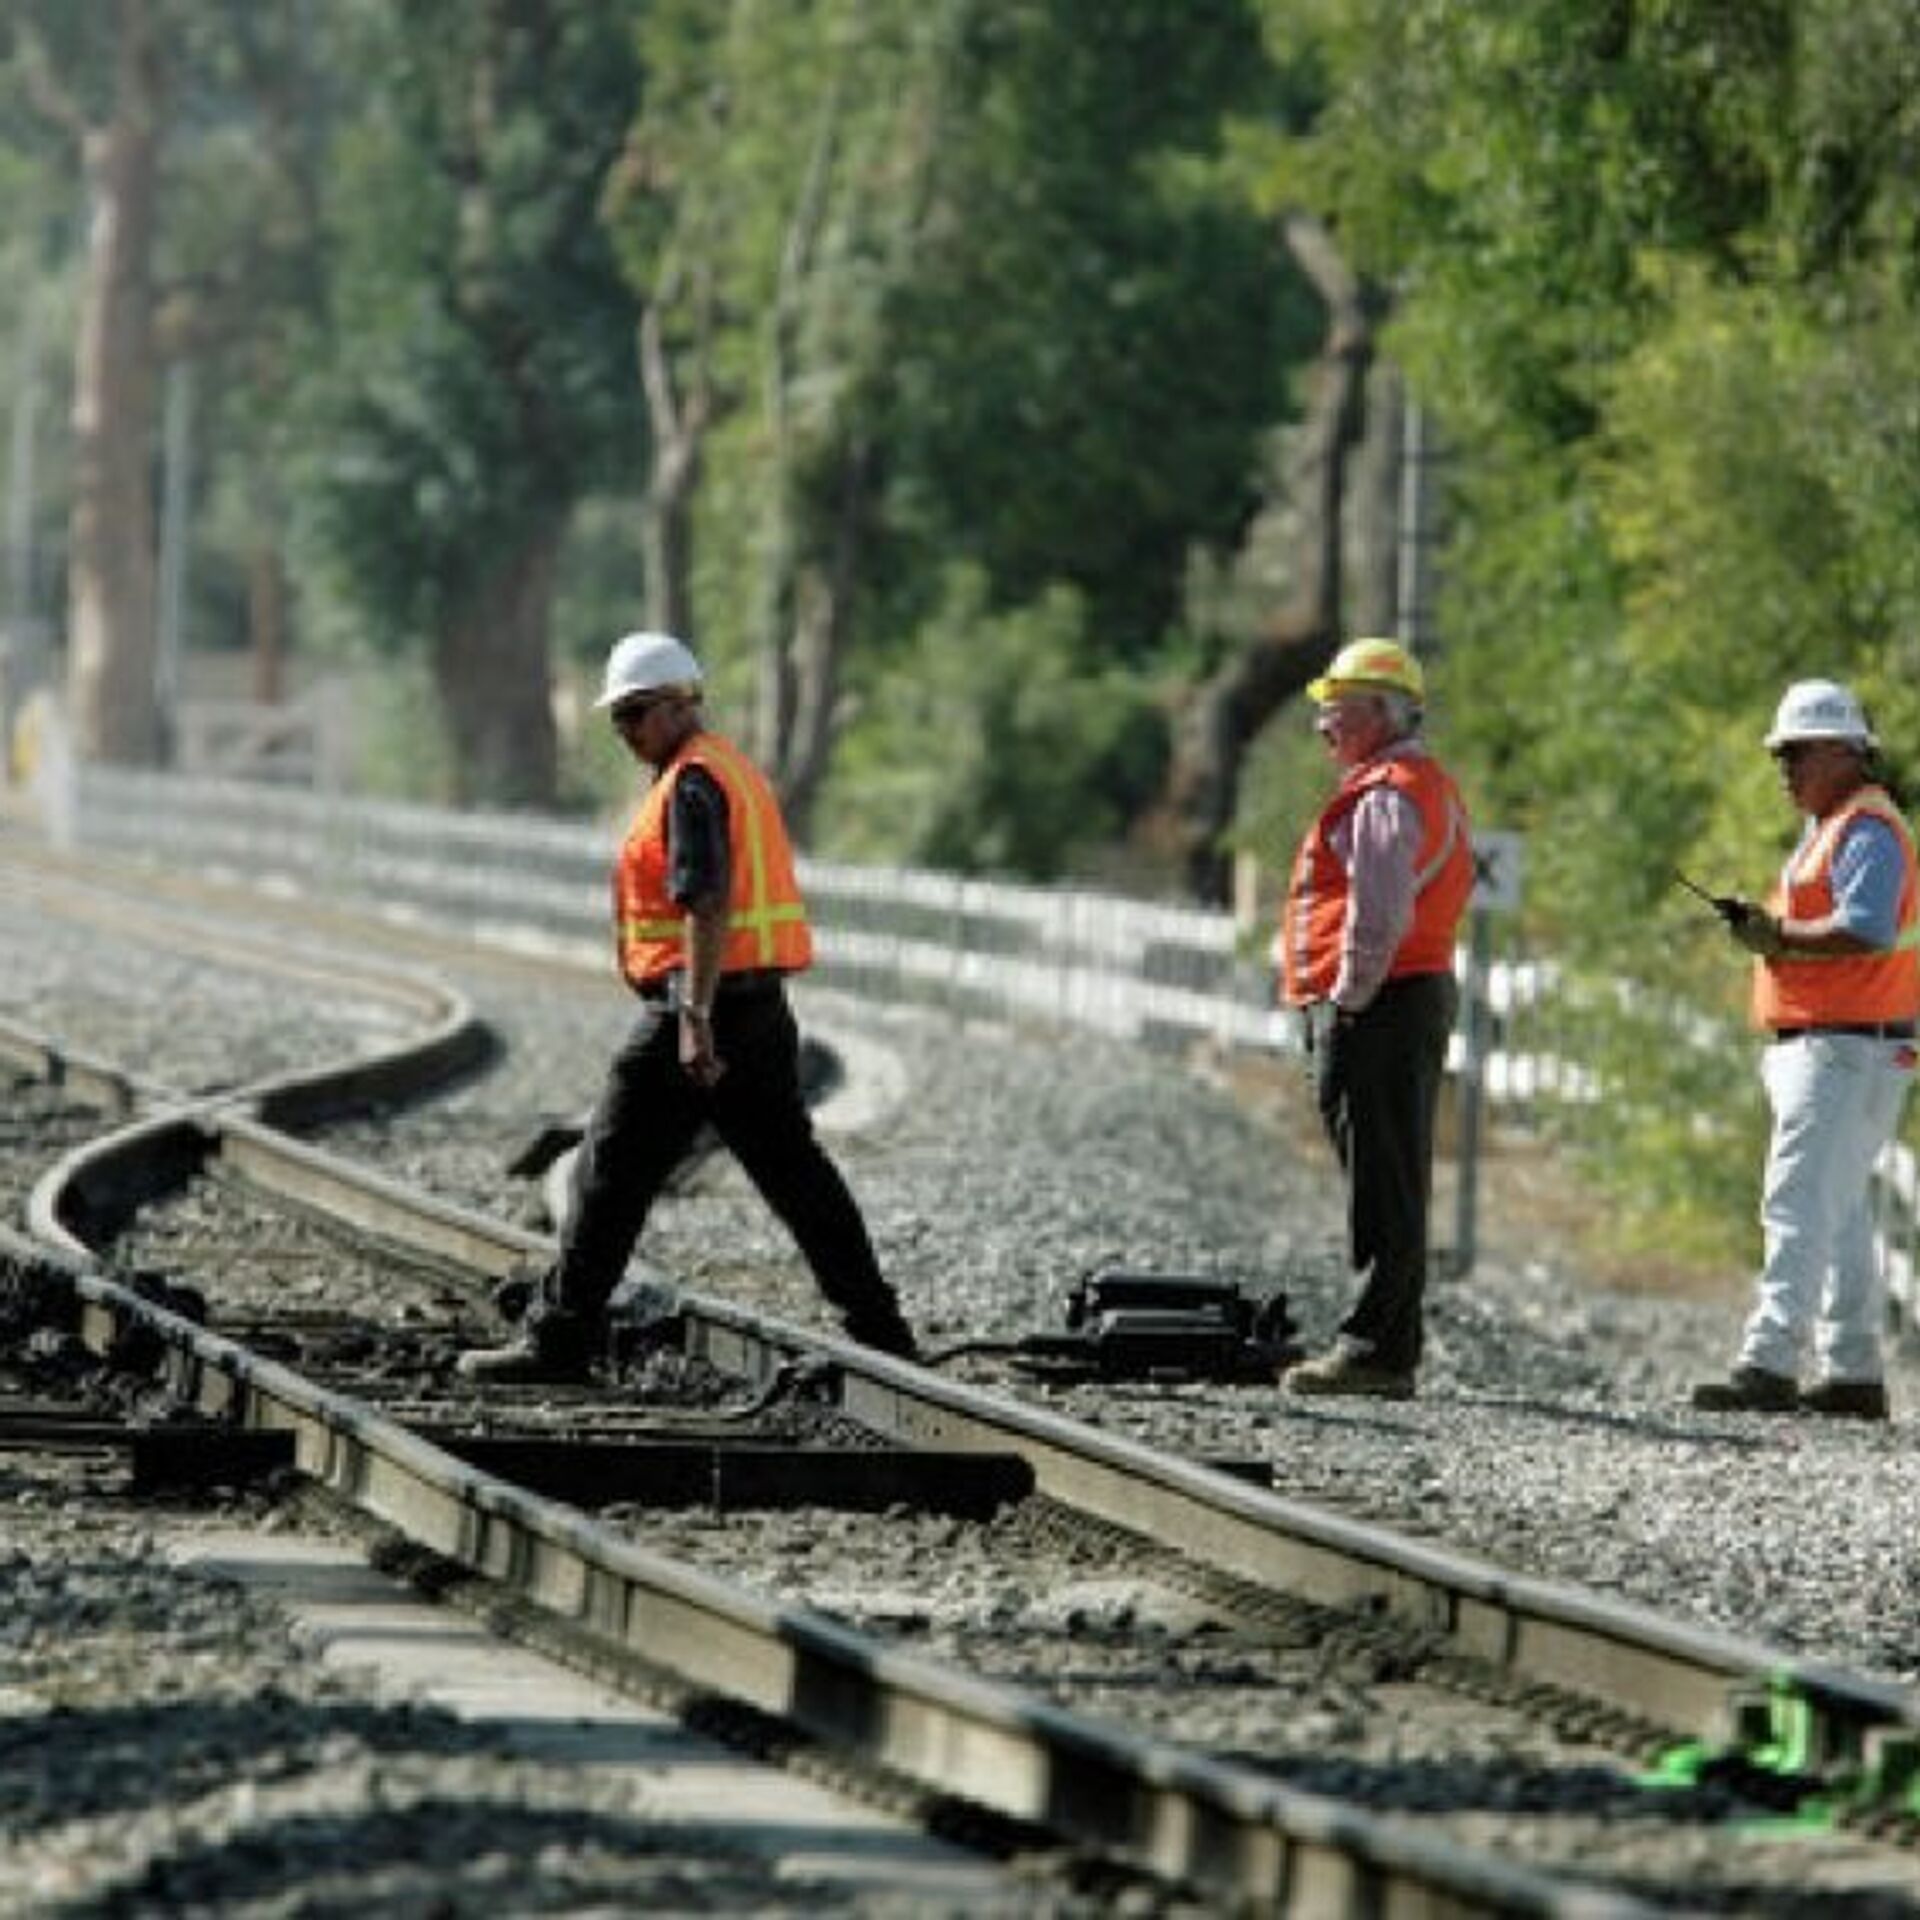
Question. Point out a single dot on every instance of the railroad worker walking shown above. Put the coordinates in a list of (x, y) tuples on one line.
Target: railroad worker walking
[(1366, 943), (1836, 987), (709, 922)]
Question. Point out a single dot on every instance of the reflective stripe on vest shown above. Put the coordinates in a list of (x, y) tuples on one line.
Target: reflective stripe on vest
[(766, 917), (1314, 918), (1825, 989)]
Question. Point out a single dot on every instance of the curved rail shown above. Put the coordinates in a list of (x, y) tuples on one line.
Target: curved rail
[(1616, 1652), (1187, 1818), (1226, 1828), (1180, 1815), (84, 1197)]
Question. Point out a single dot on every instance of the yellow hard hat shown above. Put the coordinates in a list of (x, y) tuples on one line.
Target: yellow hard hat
[(1370, 663)]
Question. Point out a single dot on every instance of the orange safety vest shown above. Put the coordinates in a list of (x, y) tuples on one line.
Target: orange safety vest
[(766, 918), (1314, 921), (1825, 989)]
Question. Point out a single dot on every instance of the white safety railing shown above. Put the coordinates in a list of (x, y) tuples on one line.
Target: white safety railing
[(1128, 968)]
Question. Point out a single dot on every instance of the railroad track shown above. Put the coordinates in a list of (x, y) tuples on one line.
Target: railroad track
[(1229, 1828)]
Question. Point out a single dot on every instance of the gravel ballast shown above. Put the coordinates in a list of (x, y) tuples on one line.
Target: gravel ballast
[(1551, 1432)]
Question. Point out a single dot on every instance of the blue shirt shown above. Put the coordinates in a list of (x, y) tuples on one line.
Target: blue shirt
[(1867, 870)]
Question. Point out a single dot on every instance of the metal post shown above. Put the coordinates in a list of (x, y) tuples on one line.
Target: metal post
[(176, 452), (23, 666), (1910, 1296), (1471, 1078), (1410, 586)]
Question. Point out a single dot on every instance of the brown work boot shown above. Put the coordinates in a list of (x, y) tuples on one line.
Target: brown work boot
[(1345, 1372), (1847, 1399), (1749, 1390)]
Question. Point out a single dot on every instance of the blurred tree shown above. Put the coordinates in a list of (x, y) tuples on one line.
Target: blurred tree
[(199, 242), (95, 77), (769, 208), (37, 287), (1224, 713), (245, 273), (1036, 754), (940, 283), (1106, 334), (1655, 268), (476, 375)]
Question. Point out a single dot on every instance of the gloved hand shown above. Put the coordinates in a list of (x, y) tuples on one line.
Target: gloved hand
[(1754, 928)]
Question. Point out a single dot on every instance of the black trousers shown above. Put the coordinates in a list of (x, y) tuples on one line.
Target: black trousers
[(643, 1123), (1377, 1077)]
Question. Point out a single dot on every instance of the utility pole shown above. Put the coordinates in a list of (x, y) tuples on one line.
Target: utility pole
[(1413, 596), (175, 490), (23, 662), (1413, 590)]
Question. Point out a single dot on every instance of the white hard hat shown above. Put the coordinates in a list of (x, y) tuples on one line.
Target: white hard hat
[(1819, 710), (648, 663)]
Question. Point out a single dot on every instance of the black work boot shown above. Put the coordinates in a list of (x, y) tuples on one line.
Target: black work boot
[(884, 1333), (1847, 1399), (1749, 1390), (550, 1349)]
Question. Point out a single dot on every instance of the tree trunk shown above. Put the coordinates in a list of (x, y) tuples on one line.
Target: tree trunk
[(1227, 712), (1373, 507), (267, 617), (111, 583), (490, 669), (779, 558), (823, 613), (679, 423)]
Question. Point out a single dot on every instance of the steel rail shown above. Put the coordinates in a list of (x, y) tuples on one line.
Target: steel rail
[(89, 1192), (1192, 1820), (1614, 1651), (1184, 1817), (93, 1082)]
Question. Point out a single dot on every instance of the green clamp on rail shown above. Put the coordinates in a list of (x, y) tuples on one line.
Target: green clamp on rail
[(1778, 1757)]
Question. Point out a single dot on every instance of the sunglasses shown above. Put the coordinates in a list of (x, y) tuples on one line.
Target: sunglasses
[(1789, 751), (629, 713)]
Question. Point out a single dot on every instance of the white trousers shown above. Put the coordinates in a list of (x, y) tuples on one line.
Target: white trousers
[(1836, 1100)]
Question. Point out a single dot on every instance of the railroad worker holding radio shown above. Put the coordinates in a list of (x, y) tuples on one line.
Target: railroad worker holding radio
[(1366, 946), (1836, 987), (709, 923)]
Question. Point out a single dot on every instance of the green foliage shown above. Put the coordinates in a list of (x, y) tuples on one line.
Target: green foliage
[(996, 247), (594, 599), (1654, 275), (1285, 784), (1098, 330), (400, 742), (38, 299), (1675, 1126), (987, 744), (477, 372)]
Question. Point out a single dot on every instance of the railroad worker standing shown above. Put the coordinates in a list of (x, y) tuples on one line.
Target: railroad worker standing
[(1366, 942), (1836, 987), (709, 922)]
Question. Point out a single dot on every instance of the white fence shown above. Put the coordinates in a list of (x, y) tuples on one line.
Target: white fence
[(1127, 968), (300, 742)]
